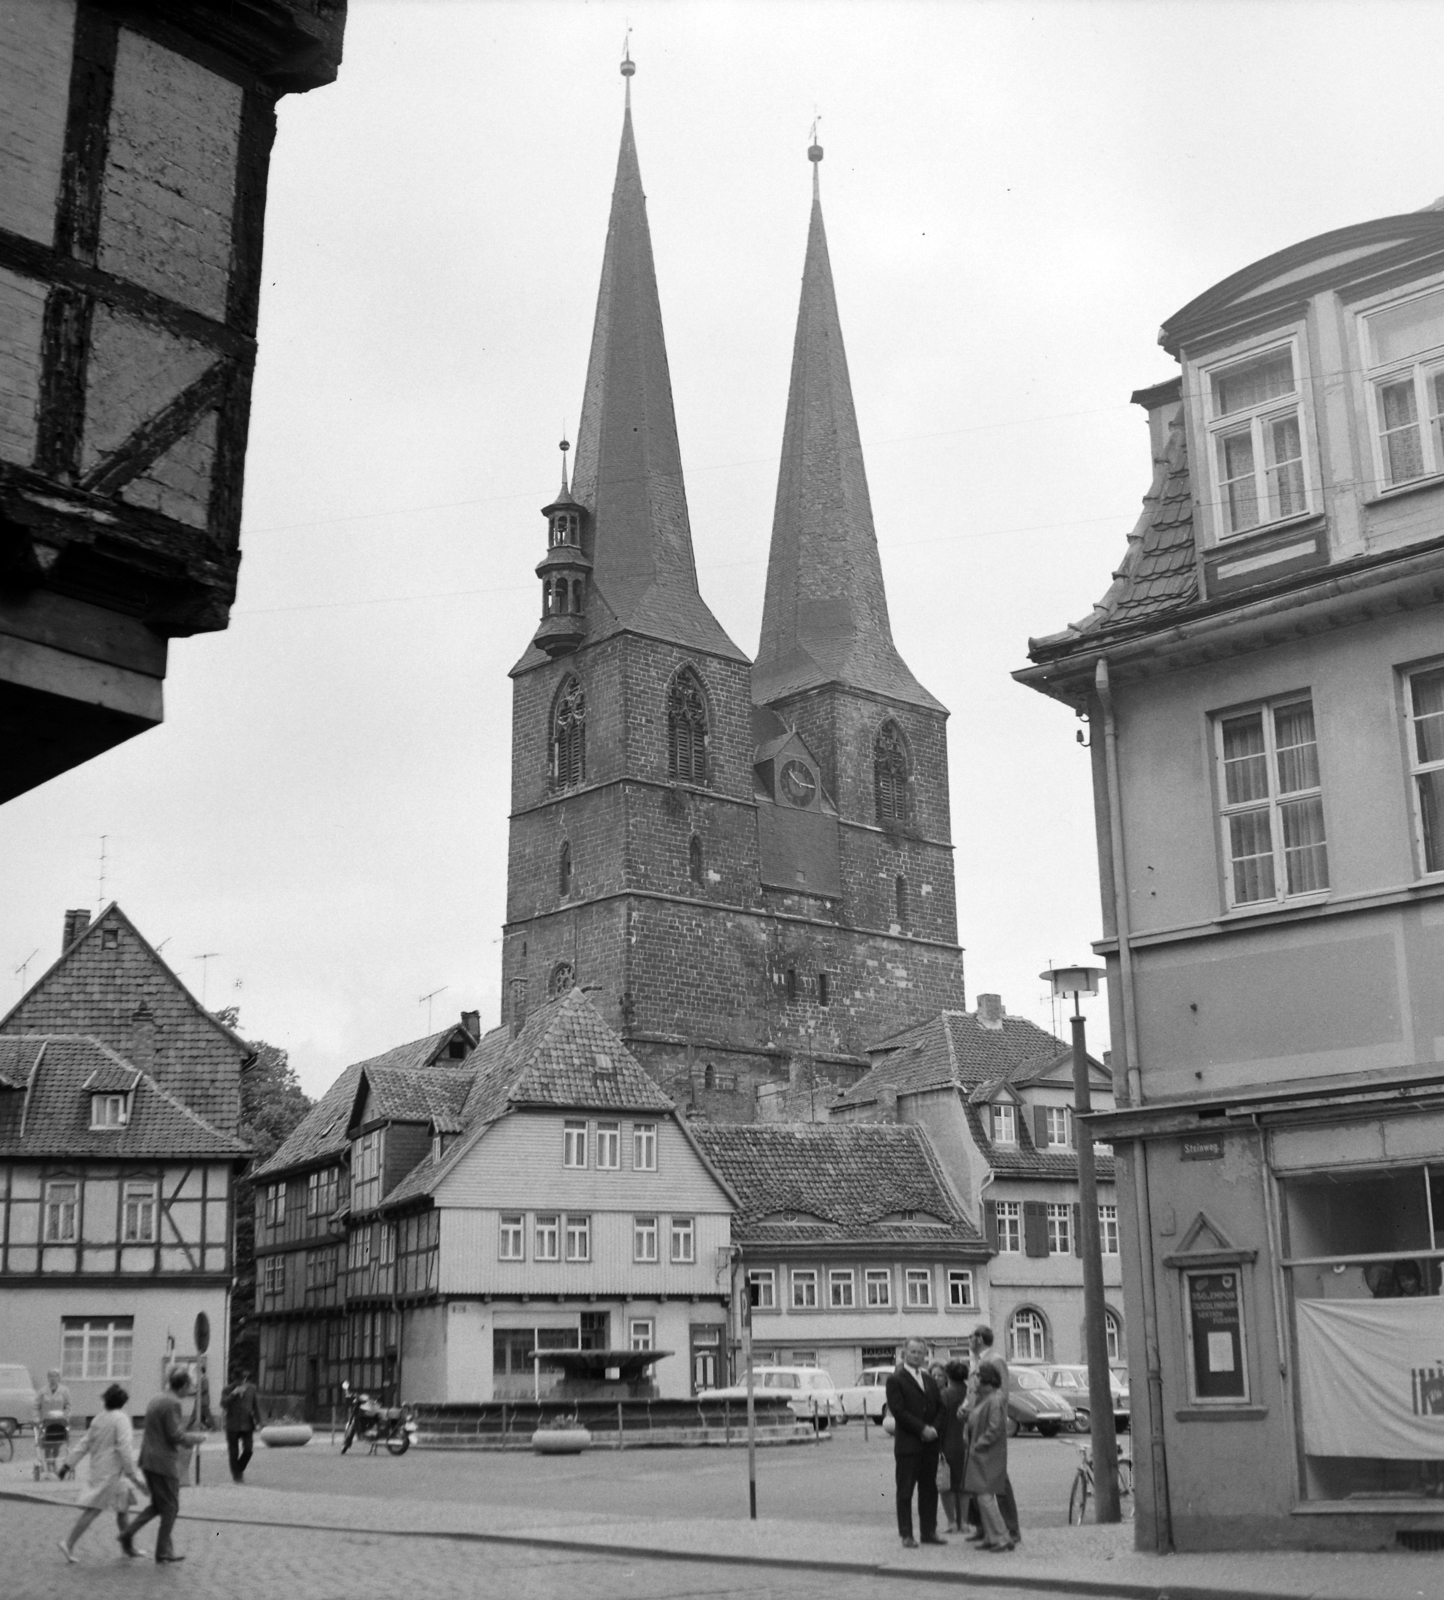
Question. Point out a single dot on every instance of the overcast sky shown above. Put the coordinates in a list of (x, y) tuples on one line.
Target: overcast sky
[(1016, 197)]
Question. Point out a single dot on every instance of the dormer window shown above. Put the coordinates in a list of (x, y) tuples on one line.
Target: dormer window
[(109, 1111), (1404, 353), (1005, 1122), (1256, 435)]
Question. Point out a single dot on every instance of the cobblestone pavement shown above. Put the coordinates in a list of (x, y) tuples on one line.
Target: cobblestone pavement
[(234, 1562)]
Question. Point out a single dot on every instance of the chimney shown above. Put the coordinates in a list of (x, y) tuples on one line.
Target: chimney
[(990, 1011), (142, 1038), (76, 922), (471, 1021), (887, 1102)]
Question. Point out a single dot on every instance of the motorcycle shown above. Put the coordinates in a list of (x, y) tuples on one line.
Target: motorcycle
[(368, 1419)]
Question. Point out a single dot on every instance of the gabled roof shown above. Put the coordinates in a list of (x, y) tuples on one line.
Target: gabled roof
[(95, 990), (410, 1094), (1025, 1159), (844, 1182), (825, 617), (55, 1118)]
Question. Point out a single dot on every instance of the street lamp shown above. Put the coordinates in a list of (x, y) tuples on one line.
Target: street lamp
[(1078, 981)]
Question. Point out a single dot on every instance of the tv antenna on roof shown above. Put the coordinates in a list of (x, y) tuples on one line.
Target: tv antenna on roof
[(210, 955), (426, 999), (24, 967), (100, 887)]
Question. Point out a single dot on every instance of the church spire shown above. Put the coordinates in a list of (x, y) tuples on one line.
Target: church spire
[(824, 618), (628, 471)]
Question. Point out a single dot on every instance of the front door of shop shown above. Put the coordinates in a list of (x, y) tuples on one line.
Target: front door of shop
[(706, 1358)]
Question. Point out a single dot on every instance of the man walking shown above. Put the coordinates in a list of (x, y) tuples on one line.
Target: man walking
[(242, 1407), (981, 1340), (916, 1407), (160, 1462)]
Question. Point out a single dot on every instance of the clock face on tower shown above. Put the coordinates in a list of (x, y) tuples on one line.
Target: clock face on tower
[(798, 784)]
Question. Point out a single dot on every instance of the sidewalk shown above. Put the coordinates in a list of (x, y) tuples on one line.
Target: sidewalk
[(1085, 1561)]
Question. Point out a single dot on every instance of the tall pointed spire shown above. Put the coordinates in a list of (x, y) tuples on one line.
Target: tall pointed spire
[(824, 618), (628, 468)]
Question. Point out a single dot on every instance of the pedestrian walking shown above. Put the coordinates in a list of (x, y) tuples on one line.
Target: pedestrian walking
[(110, 1444), (954, 1444), (916, 1407), (987, 1468), (981, 1342), (160, 1449), (242, 1407)]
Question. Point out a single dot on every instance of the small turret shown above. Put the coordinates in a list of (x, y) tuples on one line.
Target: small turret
[(564, 571)]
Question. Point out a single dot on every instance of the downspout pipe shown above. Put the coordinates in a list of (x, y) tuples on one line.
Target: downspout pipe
[(1158, 1454)]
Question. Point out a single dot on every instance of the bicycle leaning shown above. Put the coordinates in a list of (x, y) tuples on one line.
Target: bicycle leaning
[(1084, 1490)]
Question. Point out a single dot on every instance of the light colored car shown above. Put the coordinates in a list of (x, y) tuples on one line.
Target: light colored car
[(1033, 1404), (868, 1396), (17, 1398), (1072, 1383), (810, 1391)]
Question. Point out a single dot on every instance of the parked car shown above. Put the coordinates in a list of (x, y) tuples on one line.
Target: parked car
[(1072, 1384), (17, 1405), (810, 1391), (868, 1396), (1032, 1404)]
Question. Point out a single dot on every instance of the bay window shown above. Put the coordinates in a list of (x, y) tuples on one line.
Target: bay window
[(1271, 803)]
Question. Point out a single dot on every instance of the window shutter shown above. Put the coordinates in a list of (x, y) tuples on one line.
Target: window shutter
[(990, 1223), (1035, 1228), (1077, 1230), (1040, 1127)]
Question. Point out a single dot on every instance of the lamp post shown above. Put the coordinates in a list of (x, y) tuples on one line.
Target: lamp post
[(1078, 981)]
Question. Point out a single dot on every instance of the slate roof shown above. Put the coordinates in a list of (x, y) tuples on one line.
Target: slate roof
[(56, 1107), (96, 990), (1025, 1159), (824, 616), (844, 1181), (409, 1094)]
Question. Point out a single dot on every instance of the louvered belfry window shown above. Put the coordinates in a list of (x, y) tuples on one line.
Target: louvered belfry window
[(569, 736), (890, 774), (686, 730)]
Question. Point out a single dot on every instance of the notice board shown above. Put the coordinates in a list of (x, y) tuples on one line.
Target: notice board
[(1215, 1327)]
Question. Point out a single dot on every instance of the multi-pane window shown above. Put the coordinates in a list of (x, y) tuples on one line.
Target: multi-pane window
[(918, 1284), (137, 1223), (96, 1347), (1005, 1123), (62, 1201), (1256, 429), (108, 1110), (388, 1243), (321, 1192), (640, 1332), (762, 1282), (579, 1238), (1010, 1226), (1108, 1229), (1113, 1334), (644, 1147), (644, 1238), (275, 1204), (804, 1289), (877, 1285), (1272, 803), (609, 1145), (686, 730), (358, 1249), (574, 1144), (1058, 1121), (960, 1288), (1405, 356), (548, 1238), (1027, 1337), (1426, 757), (569, 736), (366, 1169), (321, 1267), (273, 1275), (1060, 1230), (684, 1239), (840, 1289)]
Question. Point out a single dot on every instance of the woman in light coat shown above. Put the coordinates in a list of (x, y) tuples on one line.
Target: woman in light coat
[(986, 1473), (110, 1444)]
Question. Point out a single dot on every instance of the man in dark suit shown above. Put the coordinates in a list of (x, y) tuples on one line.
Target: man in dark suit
[(160, 1457), (916, 1407)]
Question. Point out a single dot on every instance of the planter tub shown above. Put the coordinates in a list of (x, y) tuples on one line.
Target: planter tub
[(560, 1441), (279, 1435)]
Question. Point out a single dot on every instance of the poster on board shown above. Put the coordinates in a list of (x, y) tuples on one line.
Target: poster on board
[(1215, 1325)]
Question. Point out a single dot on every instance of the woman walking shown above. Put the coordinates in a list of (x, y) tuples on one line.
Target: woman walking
[(955, 1446), (986, 1473), (109, 1442)]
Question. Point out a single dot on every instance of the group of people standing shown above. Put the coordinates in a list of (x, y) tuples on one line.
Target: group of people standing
[(950, 1442)]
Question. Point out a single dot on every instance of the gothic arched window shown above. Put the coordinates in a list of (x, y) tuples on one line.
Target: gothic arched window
[(564, 870), (694, 860), (562, 979), (569, 736), (686, 729), (890, 774)]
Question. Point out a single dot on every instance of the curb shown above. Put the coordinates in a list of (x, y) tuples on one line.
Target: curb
[(1040, 1583)]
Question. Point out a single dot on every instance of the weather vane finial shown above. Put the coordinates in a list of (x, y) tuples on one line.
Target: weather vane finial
[(629, 66), (564, 446), (814, 150)]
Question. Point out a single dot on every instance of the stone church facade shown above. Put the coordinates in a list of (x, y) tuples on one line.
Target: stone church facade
[(747, 864)]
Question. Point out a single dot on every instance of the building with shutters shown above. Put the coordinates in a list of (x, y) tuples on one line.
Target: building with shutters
[(994, 1095), (748, 863)]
